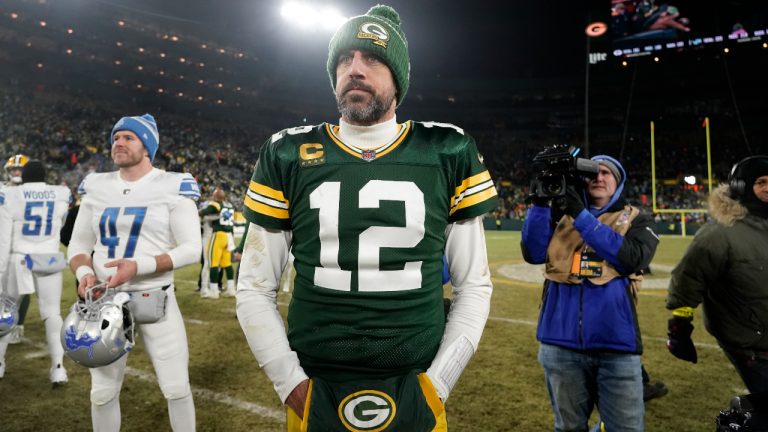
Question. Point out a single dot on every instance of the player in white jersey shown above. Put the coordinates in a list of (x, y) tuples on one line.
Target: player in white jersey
[(13, 167), (140, 223), (31, 216)]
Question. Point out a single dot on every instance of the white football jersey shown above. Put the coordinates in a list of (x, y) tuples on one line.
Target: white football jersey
[(37, 211), (132, 219)]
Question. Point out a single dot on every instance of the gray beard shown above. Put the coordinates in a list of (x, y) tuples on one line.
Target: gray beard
[(369, 114)]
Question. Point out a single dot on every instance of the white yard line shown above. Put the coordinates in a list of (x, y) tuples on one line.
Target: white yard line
[(36, 354), (513, 321), (201, 393), (195, 321), (216, 397)]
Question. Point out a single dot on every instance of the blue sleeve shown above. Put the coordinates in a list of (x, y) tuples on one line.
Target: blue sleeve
[(600, 237), (537, 231), (188, 187), (446, 271), (81, 187)]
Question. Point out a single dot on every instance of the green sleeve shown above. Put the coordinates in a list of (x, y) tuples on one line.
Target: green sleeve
[(241, 245), (701, 265), (265, 203), (474, 191)]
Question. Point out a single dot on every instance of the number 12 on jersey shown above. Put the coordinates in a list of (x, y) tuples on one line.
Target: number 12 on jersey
[(108, 229), (326, 198)]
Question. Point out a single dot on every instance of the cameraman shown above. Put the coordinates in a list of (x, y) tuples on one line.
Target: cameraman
[(725, 268), (594, 245)]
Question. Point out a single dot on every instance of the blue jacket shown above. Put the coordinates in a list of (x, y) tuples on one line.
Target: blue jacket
[(586, 316)]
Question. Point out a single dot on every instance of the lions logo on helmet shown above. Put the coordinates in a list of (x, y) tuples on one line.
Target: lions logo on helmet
[(9, 314), (98, 332), (13, 167)]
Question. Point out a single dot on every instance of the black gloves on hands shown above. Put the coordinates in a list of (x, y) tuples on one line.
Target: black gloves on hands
[(679, 342), (574, 202), (534, 198)]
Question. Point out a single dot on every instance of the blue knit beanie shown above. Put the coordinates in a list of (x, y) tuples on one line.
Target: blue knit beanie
[(621, 177), (144, 127)]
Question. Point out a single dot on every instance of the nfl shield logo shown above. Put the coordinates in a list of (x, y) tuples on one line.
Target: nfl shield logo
[(369, 155)]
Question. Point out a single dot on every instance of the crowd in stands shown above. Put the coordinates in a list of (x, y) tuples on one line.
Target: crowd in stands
[(72, 138), (72, 135)]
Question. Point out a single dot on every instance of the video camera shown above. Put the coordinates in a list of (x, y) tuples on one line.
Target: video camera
[(559, 166)]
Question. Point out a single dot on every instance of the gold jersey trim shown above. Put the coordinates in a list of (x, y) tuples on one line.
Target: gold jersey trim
[(333, 130)]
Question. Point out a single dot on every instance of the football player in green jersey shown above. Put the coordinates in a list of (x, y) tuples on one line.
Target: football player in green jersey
[(368, 208), (220, 214)]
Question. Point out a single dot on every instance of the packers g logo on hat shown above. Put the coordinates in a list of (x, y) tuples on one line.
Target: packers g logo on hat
[(375, 32), (367, 411)]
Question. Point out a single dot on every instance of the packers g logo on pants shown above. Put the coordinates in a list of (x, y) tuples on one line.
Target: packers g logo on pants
[(367, 411)]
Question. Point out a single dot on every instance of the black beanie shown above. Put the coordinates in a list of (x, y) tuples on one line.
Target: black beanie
[(748, 171), (33, 171), (753, 168)]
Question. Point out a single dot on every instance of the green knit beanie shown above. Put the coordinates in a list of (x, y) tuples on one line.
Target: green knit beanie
[(378, 32)]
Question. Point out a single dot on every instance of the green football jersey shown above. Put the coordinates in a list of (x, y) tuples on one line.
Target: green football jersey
[(368, 239), (226, 212)]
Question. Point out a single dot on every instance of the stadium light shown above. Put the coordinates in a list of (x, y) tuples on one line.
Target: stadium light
[(310, 18), (691, 180)]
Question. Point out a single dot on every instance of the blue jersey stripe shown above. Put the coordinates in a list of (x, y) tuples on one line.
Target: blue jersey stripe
[(81, 188), (188, 188)]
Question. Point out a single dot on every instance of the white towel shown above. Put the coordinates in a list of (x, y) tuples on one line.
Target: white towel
[(20, 277)]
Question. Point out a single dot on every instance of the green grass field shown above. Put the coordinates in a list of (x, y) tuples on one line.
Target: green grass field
[(501, 390)]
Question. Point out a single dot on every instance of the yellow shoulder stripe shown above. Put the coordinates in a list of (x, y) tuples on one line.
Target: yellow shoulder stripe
[(264, 209), (267, 191), (468, 183), (474, 199)]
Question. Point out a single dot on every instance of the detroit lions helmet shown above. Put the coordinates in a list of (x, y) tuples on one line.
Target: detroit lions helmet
[(98, 332), (9, 314)]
